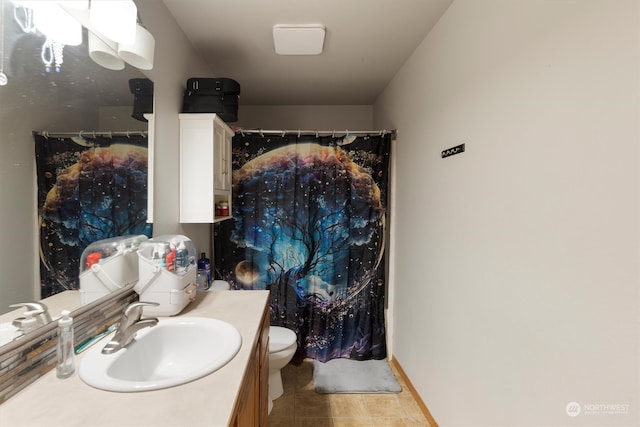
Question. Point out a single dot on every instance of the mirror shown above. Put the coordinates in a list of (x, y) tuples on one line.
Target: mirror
[(80, 96)]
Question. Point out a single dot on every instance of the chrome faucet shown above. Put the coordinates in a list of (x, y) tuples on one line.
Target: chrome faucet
[(130, 323), (37, 309)]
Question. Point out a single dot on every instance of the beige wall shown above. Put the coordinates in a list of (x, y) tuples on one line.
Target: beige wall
[(516, 274), (306, 117)]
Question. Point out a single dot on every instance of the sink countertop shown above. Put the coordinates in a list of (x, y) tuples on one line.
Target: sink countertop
[(207, 401)]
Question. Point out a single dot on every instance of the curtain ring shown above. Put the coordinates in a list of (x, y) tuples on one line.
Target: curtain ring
[(80, 134), (241, 132), (110, 135), (128, 134), (333, 133), (298, 133), (261, 133), (317, 135), (283, 132)]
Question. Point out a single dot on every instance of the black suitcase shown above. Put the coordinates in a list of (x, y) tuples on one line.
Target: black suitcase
[(142, 87), (226, 108), (212, 95), (142, 90), (213, 86)]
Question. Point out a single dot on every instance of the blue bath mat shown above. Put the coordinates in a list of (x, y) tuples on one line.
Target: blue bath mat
[(354, 376)]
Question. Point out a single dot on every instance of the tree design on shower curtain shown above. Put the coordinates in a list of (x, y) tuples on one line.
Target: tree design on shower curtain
[(309, 225), (89, 189)]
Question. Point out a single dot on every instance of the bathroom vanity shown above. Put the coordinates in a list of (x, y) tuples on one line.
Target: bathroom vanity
[(234, 395)]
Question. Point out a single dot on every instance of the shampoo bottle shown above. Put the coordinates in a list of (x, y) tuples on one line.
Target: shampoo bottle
[(203, 277), (64, 350)]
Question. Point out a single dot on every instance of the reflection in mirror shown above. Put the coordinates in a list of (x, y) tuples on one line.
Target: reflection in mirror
[(80, 96), (91, 187)]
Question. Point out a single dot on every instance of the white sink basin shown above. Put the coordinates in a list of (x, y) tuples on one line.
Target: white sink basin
[(175, 351)]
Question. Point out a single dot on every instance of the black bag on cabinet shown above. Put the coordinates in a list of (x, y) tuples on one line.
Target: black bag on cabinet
[(142, 90), (226, 108), (213, 86), (212, 95)]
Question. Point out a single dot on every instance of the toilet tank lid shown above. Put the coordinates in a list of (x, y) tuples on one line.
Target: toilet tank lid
[(280, 338)]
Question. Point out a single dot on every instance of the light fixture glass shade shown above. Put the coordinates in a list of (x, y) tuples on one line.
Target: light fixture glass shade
[(74, 4), (114, 19), (104, 52), (56, 24), (140, 53)]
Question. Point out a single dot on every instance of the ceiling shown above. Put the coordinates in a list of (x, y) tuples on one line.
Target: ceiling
[(366, 43)]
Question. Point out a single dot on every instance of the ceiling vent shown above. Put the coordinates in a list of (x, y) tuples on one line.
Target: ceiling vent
[(305, 39)]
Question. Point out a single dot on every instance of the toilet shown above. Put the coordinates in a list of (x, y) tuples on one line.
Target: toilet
[(282, 347), (283, 343), (219, 285)]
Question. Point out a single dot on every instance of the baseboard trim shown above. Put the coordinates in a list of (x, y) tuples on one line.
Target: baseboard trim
[(414, 392)]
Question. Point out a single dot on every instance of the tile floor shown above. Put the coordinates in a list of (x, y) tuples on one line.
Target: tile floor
[(301, 406)]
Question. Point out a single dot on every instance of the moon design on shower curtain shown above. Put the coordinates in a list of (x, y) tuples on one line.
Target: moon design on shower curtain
[(310, 227)]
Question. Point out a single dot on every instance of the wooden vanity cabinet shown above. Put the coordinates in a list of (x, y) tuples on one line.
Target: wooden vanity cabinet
[(252, 405)]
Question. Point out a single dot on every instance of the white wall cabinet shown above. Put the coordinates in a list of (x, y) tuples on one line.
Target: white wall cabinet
[(205, 167)]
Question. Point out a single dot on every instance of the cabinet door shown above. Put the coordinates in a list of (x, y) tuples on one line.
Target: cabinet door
[(205, 167), (247, 409), (263, 369), (222, 158), (196, 171)]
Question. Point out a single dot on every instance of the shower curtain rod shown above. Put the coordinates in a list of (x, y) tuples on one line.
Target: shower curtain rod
[(299, 132), (92, 134)]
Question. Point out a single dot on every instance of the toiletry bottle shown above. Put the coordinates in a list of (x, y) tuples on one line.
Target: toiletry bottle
[(224, 209), (64, 350), (93, 258), (170, 260), (29, 323), (182, 258), (203, 277)]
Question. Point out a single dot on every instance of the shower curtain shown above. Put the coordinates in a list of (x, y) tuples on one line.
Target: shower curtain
[(309, 218), (89, 188)]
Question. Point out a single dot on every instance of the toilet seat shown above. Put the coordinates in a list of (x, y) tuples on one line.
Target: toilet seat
[(280, 338), (219, 285)]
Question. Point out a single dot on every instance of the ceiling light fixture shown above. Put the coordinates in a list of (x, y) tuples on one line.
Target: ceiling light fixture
[(139, 53), (104, 52), (298, 39), (56, 24), (114, 19)]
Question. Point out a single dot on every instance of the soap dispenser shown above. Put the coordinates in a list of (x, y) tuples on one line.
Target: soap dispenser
[(64, 350), (29, 323)]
